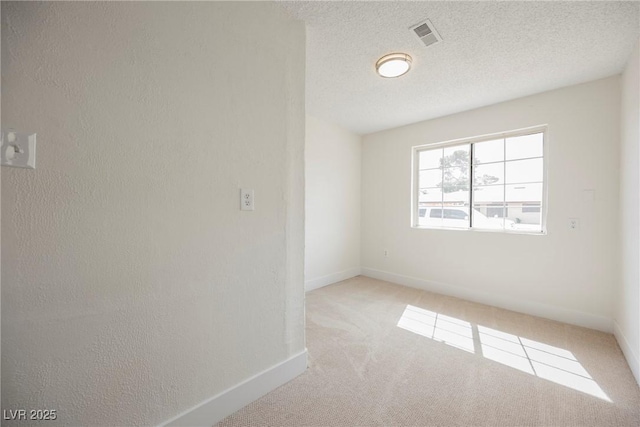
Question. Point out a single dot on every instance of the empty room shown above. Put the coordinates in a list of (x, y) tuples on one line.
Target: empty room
[(322, 213)]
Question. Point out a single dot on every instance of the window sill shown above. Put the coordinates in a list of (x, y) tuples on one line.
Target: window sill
[(482, 230)]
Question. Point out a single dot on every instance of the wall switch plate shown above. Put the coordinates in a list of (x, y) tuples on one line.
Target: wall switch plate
[(18, 149), (246, 200)]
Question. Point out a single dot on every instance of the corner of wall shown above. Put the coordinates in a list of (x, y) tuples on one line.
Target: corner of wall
[(632, 359), (333, 159), (627, 301)]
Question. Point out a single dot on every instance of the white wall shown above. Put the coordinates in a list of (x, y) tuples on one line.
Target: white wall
[(332, 206), (627, 313), (565, 275), (133, 286)]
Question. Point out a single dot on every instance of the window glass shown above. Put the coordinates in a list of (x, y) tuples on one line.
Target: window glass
[(455, 179), (488, 194), (531, 207), (456, 155), (495, 211), (492, 173), (427, 195), (523, 147), (507, 185), (455, 214), (520, 198), (456, 198), (488, 151), (524, 193), (430, 178), (488, 207), (524, 171), (430, 159)]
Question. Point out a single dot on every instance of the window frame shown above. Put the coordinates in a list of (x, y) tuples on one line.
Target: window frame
[(415, 171)]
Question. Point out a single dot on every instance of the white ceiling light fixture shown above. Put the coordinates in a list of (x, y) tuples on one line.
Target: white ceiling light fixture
[(393, 65)]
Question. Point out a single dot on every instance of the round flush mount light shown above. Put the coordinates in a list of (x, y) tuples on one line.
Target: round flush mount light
[(393, 65)]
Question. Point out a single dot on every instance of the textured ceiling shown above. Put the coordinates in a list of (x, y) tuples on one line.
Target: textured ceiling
[(491, 52)]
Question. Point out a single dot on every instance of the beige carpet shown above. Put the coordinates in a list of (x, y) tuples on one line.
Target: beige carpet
[(383, 354)]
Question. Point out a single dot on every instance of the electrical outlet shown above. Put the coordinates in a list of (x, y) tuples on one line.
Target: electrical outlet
[(573, 223), (246, 200), (386, 253)]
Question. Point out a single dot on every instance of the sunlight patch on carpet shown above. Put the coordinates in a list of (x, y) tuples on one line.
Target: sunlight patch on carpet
[(532, 357), (449, 330)]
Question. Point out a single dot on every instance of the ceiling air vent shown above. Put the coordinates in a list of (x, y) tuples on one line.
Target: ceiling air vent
[(426, 32)]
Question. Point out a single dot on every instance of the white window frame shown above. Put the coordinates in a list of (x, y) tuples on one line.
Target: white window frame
[(415, 168)]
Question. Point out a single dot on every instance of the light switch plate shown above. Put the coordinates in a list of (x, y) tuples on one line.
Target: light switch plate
[(18, 149)]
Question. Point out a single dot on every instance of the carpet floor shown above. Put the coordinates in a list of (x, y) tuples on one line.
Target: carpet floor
[(381, 354)]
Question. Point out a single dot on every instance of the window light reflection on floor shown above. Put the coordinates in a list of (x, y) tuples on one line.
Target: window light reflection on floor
[(449, 330), (532, 357)]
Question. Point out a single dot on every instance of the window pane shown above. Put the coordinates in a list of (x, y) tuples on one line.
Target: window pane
[(489, 174), (488, 207), (430, 178), (488, 151), (430, 159), (430, 215), (455, 216), (448, 151), (522, 147), (531, 207), (491, 193), (455, 179), (525, 216), (426, 195), (454, 213), (457, 155), (457, 198), (524, 193), (447, 215), (524, 171), (518, 196), (488, 216), (524, 206), (493, 210)]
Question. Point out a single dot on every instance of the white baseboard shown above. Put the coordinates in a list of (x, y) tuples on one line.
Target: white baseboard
[(560, 314), (329, 279), (629, 354), (231, 400)]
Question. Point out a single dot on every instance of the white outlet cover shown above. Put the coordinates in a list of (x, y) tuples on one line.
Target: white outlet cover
[(18, 149), (246, 200)]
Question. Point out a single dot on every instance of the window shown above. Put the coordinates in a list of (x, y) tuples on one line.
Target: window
[(494, 183)]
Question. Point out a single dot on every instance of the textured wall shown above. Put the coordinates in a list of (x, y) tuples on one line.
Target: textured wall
[(568, 271), (133, 286), (627, 313), (332, 202)]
